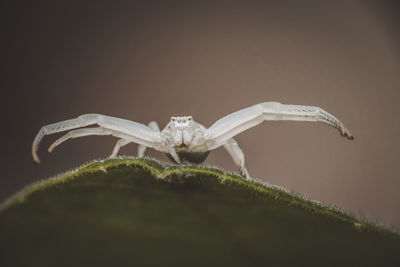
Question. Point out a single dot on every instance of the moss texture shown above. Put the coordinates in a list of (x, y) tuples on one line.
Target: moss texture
[(135, 212)]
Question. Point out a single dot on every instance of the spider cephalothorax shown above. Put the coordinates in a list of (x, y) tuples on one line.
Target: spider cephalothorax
[(184, 134), (183, 139), (181, 130)]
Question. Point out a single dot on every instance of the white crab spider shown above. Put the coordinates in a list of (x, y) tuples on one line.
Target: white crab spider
[(183, 139)]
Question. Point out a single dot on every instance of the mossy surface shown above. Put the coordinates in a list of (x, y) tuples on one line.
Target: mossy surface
[(135, 212)]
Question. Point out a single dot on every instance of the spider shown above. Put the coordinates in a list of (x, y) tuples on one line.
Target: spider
[(183, 139)]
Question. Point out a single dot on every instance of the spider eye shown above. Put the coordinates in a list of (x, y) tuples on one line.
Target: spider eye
[(173, 119), (189, 118)]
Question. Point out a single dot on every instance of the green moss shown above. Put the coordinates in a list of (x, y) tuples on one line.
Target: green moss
[(135, 212)]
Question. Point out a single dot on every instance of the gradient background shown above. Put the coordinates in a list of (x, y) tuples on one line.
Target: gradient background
[(149, 60)]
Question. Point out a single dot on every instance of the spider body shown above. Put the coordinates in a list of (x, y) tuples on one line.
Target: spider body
[(187, 138), (183, 139)]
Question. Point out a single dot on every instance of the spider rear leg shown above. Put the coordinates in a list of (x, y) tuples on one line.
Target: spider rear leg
[(120, 143), (237, 155), (141, 148)]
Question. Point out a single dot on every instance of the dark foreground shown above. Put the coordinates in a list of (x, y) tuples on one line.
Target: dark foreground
[(131, 212)]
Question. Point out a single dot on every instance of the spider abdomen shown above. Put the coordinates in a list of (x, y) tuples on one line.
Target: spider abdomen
[(190, 157)]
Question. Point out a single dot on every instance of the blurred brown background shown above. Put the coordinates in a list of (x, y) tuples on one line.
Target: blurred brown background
[(149, 60)]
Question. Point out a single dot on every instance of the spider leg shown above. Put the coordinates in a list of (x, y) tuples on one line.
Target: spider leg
[(79, 133), (198, 134), (172, 152), (237, 155), (129, 130), (141, 148), (120, 143), (239, 121)]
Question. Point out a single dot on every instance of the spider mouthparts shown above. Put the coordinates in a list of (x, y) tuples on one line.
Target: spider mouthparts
[(182, 145)]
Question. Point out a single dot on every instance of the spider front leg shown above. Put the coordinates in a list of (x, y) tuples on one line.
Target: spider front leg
[(125, 129), (238, 156), (80, 133)]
